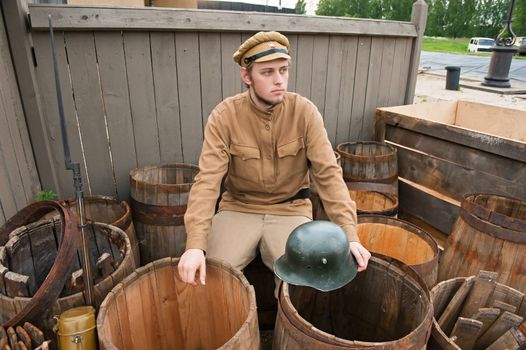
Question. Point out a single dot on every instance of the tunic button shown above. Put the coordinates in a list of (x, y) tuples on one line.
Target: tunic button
[(267, 126), (269, 157)]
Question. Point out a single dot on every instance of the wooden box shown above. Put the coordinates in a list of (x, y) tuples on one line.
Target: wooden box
[(451, 148)]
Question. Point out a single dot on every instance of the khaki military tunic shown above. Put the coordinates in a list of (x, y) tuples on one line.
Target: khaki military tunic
[(263, 157)]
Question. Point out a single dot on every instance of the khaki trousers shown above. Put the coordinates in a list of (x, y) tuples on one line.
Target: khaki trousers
[(235, 237)]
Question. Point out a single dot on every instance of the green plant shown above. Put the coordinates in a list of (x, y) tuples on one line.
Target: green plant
[(46, 196)]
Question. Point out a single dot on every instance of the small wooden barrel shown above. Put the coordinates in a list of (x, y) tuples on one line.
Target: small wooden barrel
[(385, 307), (109, 210), (489, 234), (154, 309), (403, 241), (369, 166), (30, 252), (317, 205), (159, 196), (482, 296)]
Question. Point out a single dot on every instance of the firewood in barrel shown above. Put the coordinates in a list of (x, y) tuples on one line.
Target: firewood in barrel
[(23, 336), (3, 337), (450, 314), (486, 315), (105, 265), (13, 339), (511, 340), (44, 346), (36, 335), (482, 289), (7, 347), (20, 346), (74, 284), (502, 306), (466, 332), (504, 322)]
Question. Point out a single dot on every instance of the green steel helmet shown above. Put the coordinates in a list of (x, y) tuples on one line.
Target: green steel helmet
[(317, 255)]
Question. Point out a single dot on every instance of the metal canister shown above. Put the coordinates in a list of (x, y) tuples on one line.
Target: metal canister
[(76, 329)]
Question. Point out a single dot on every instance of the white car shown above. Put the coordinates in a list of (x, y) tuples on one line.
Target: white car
[(480, 44)]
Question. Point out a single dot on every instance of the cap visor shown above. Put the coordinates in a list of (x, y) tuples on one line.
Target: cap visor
[(273, 56)]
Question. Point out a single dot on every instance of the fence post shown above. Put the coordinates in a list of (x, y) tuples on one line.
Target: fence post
[(20, 44), (419, 19)]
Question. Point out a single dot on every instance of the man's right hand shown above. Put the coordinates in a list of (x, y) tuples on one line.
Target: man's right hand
[(191, 261)]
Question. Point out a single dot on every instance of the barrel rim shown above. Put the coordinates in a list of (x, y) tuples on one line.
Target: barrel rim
[(370, 158), (173, 262), (389, 211), (328, 338), (165, 187)]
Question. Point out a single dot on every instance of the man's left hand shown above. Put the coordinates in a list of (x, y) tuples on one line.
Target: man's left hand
[(361, 255)]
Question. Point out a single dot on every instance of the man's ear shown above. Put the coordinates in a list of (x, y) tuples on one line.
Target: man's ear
[(245, 75)]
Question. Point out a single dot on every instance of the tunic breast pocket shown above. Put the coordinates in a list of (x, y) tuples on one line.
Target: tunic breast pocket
[(292, 157), (245, 162)]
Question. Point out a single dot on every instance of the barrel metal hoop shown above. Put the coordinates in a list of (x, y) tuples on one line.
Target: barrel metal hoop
[(492, 216), (493, 230), (158, 215)]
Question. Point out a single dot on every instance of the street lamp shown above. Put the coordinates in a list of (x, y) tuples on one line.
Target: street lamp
[(503, 51)]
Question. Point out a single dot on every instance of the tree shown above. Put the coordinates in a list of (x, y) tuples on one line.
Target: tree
[(300, 7), (359, 8), (436, 21), (333, 8), (519, 18), (491, 15)]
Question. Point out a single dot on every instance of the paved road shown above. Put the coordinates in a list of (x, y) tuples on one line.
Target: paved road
[(473, 67)]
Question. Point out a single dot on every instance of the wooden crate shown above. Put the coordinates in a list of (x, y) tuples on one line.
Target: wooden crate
[(451, 148)]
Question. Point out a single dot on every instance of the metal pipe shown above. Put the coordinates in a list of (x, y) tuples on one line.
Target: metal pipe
[(77, 183)]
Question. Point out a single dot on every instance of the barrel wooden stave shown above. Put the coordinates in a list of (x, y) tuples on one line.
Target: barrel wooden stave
[(478, 244), (10, 306), (308, 319), (154, 308), (403, 241), (161, 192)]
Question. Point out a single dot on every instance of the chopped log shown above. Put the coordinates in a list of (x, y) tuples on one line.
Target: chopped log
[(75, 283), (36, 335), (16, 285), (511, 340), (450, 314), (23, 336), (44, 346), (486, 315), (466, 331), (502, 306), (20, 346), (504, 322), (506, 294), (105, 265), (480, 293), (11, 334)]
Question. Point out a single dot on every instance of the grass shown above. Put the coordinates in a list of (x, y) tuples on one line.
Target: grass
[(456, 46)]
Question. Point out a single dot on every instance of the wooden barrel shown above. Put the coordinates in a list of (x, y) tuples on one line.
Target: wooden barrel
[(402, 241), (479, 297), (28, 255), (159, 196), (489, 234), (385, 307), (154, 309), (109, 210), (369, 166)]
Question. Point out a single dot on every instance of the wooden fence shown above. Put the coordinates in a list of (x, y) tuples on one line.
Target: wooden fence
[(138, 84)]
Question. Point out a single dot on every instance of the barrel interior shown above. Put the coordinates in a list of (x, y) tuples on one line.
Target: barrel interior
[(155, 309), (513, 208), (381, 304), (106, 210), (167, 174), (395, 241), (365, 149), (33, 250), (373, 202)]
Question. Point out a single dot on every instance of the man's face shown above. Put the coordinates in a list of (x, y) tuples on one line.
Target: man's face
[(267, 81)]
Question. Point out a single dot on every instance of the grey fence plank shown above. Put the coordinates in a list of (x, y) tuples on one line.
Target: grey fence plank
[(229, 69), (107, 18), (293, 51), (90, 112), (3, 218), (7, 194), (48, 96), (332, 94), (167, 96), (373, 85), (347, 86), (360, 87), (397, 79), (319, 71), (304, 65), (386, 71), (142, 100), (114, 84), (187, 53), (210, 65)]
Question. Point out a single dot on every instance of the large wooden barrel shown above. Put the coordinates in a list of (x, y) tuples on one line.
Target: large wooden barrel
[(28, 255), (385, 307), (472, 298), (489, 234), (159, 196), (109, 210), (403, 241), (369, 166), (154, 309)]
